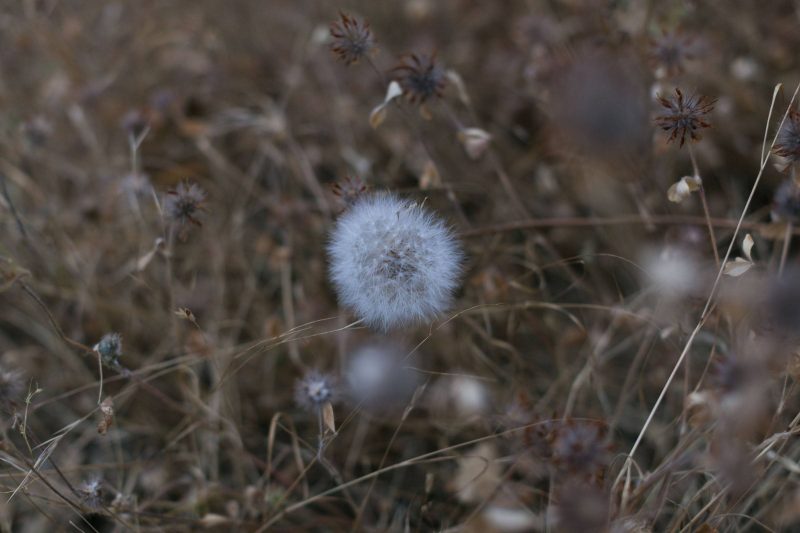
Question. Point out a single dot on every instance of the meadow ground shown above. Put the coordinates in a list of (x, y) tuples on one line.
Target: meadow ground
[(431, 265)]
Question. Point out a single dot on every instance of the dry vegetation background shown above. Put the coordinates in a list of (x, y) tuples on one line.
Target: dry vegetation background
[(581, 292)]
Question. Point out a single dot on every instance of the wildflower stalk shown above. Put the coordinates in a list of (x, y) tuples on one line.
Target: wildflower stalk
[(625, 472)]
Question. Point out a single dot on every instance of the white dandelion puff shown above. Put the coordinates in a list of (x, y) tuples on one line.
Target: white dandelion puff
[(378, 376), (393, 262)]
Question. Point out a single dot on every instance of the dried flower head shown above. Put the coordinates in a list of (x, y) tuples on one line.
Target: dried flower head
[(787, 145), (184, 204), (393, 262), (420, 77), (91, 493), (352, 38), (672, 50), (314, 390), (786, 202), (349, 189), (110, 349), (685, 116)]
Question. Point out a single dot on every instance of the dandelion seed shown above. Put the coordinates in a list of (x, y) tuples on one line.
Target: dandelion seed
[(314, 390), (787, 145), (392, 262), (352, 39), (91, 493), (184, 204), (420, 77), (685, 116), (110, 349)]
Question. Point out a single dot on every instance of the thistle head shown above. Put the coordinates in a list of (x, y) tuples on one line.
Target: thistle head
[(420, 77), (352, 39), (110, 349), (184, 204), (392, 262), (787, 144), (685, 116), (314, 390)]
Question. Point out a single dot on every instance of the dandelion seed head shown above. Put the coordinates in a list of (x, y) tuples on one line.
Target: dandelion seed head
[(392, 262)]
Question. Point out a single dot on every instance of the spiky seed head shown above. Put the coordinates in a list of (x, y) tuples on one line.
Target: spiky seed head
[(184, 204), (392, 262), (352, 38), (420, 77), (671, 50), (314, 390), (685, 116), (110, 348)]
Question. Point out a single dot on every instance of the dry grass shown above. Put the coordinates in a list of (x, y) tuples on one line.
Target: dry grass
[(600, 368)]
